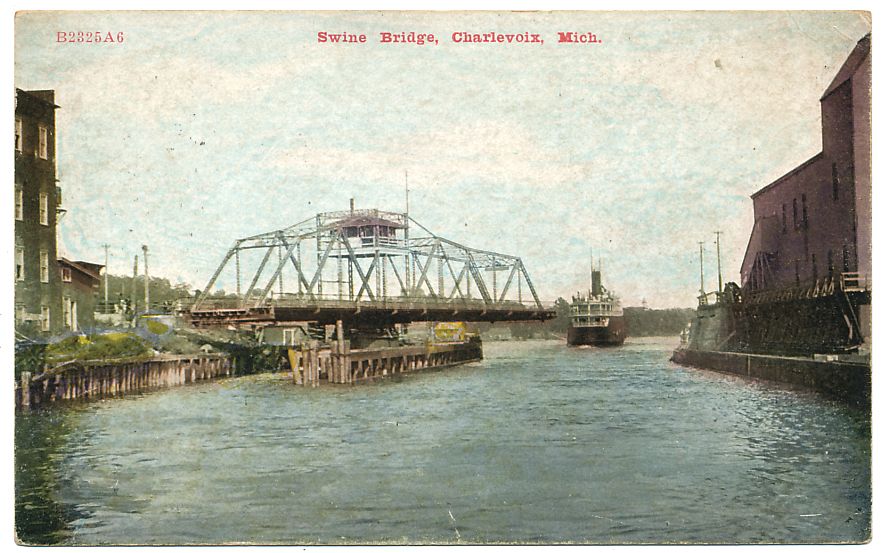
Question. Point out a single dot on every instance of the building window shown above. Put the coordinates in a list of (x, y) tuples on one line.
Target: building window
[(20, 313), (44, 318), (18, 137), (814, 266), (19, 204), (44, 143), (830, 262), (65, 274), (845, 259), (804, 211), (44, 266), (65, 312), (783, 210), (19, 263), (795, 214), (70, 320), (797, 276), (834, 182), (44, 208)]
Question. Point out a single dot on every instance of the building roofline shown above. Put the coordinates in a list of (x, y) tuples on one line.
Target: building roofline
[(368, 221), (786, 176), (80, 266), (37, 98), (854, 60), (760, 220)]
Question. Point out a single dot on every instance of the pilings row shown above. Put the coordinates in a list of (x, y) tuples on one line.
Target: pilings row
[(89, 380), (341, 365)]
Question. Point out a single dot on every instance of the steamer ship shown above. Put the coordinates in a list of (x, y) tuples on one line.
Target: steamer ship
[(596, 319)]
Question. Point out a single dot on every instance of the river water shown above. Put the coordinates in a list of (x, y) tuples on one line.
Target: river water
[(537, 443)]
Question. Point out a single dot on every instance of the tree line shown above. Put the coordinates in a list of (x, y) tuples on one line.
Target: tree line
[(640, 322)]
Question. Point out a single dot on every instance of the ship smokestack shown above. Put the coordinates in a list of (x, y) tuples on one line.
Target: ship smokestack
[(352, 205), (596, 283)]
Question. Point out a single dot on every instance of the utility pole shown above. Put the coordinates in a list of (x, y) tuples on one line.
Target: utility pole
[(134, 289), (719, 259), (106, 270), (146, 282), (407, 283), (702, 268)]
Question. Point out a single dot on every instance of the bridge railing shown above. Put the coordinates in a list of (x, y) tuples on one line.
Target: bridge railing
[(376, 241), (334, 301)]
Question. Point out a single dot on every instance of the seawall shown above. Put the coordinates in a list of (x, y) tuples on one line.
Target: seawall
[(113, 378), (844, 381)]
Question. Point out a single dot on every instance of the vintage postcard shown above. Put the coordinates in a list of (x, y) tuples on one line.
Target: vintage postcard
[(390, 277)]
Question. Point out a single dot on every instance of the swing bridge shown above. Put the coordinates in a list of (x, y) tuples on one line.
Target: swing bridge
[(366, 268)]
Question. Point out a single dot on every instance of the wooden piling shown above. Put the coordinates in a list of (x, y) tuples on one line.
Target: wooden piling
[(307, 364), (25, 389), (313, 346), (304, 363), (347, 362), (295, 356)]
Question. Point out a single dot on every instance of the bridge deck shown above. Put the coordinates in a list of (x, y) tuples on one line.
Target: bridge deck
[(374, 313)]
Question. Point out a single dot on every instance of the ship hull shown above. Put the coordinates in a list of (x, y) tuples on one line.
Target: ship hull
[(612, 335)]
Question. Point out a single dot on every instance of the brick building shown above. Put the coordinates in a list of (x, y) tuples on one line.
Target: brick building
[(44, 299), (813, 226), (79, 292)]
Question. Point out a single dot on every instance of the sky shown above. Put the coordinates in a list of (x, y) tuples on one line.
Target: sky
[(203, 127)]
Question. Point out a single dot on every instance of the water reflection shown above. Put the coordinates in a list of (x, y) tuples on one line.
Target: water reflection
[(40, 442)]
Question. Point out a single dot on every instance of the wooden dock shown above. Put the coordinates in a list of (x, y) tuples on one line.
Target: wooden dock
[(342, 365), (310, 363), (114, 378)]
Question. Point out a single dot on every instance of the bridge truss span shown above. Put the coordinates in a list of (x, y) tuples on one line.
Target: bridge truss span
[(367, 265)]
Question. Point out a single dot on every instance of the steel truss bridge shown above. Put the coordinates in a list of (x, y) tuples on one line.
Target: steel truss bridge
[(365, 268)]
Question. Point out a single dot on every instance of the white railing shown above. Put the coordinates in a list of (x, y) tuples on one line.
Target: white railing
[(846, 282), (379, 241), (601, 322), (854, 282), (708, 298), (604, 309)]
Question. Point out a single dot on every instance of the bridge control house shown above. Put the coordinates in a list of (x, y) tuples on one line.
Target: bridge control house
[(371, 231)]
